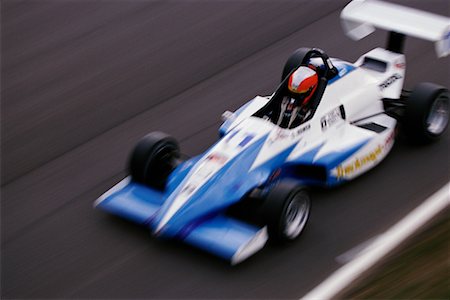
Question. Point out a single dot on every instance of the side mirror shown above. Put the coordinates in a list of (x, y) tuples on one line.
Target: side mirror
[(228, 115)]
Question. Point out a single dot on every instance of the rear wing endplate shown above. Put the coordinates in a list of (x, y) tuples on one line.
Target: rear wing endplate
[(361, 17)]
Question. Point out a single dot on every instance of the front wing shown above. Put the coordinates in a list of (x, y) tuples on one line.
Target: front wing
[(220, 235)]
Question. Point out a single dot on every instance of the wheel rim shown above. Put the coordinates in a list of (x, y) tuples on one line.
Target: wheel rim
[(296, 216), (438, 117)]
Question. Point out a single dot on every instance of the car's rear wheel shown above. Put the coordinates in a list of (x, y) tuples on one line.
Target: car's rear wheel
[(427, 113), (153, 158), (286, 210), (294, 61)]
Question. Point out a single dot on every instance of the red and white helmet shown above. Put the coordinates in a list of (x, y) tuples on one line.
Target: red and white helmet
[(302, 84)]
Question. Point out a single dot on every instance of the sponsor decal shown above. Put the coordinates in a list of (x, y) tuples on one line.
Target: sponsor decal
[(212, 163), (331, 118), (279, 134), (360, 162), (390, 81), (239, 138), (302, 130), (400, 65), (217, 158), (246, 140)]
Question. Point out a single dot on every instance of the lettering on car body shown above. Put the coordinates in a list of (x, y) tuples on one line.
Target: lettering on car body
[(302, 129), (390, 81), (278, 134), (360, 162), (331, 118)]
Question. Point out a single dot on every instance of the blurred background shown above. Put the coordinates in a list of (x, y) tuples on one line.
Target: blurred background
[(82, 81)]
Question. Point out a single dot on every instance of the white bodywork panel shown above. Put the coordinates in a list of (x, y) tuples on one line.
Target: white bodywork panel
[(370, 155), (359, 92), (361, 17), (392, 79), (253, 106)]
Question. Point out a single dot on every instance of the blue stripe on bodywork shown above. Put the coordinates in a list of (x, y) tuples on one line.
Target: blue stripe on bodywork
[(246, 140), (333, 159), (180, 172), (343, 67), (226, 187), (308, 157), (334, 181), (223, 189)]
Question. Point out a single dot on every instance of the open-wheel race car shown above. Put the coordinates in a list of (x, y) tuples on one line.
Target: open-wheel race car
[(327, 122)]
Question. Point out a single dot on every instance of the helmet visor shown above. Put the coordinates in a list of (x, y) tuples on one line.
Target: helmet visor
[(301, 95)]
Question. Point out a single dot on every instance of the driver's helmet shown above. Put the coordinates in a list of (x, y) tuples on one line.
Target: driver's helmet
[(302, 84)]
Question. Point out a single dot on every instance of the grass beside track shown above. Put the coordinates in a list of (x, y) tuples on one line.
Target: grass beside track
[(418, 269)]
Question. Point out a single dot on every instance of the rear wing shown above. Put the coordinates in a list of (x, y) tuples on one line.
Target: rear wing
[(361, 17)]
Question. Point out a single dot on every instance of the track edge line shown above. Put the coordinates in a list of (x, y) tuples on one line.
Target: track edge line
[(387, 242)]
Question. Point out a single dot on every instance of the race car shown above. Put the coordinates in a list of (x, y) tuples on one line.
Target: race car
[(251, 186)]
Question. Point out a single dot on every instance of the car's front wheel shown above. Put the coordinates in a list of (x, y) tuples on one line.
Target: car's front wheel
[(153, 158), (286, 210)]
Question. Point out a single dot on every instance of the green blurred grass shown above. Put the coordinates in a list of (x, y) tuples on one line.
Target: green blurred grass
[(418, 269)]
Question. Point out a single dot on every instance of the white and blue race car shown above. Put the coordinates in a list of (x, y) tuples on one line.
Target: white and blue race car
[(251, 186)]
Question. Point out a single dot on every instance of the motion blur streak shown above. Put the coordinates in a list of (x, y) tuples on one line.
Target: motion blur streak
[(81, 81)]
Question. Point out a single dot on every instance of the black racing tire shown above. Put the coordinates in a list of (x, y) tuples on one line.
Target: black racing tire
[(426, 114), (153, 159), (294, 61), (285, 211)]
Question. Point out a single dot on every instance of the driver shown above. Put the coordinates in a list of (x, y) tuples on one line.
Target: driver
[(295, 104)]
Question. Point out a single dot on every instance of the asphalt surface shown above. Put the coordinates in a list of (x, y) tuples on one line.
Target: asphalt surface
[(81, 81)]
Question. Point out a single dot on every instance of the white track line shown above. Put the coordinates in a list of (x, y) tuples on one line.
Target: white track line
[(354, 252), (387, 241)]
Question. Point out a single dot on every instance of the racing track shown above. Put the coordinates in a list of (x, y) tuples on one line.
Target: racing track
[(82, 81)]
